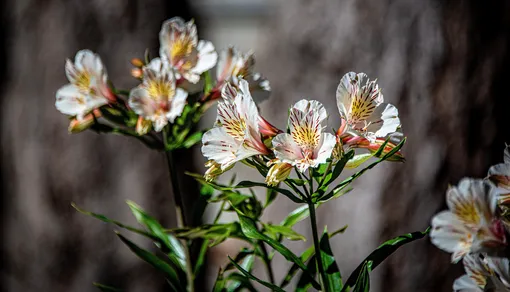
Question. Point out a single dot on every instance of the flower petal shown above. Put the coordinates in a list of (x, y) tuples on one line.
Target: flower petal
[(219, 146), (449, 234), (141, 103), (324, 149), (70, 101), (177, 104), (207, 57), (343, 94), (285, 149), (385, 123), (305, 122), (502, 267), (465, 284)]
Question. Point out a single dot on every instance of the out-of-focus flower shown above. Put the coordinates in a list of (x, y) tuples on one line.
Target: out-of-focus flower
[(470, 225), (76, 126), (179, 46), (157, 99), (362, 111), (483, 273), (233, 65), (278, 172), (88, 86), (501, 268), (236, 135), (306, 145), (499, 175)]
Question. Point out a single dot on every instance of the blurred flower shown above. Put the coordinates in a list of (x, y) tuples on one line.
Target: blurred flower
[(499, 175), (143, 126), (362, 111), (76, 126), (236, 135), (278, 172), (470, 225), (179, 46), (501, 268), (233, 65), (483, 273), (306, 146), (157, 99), (88, 86)]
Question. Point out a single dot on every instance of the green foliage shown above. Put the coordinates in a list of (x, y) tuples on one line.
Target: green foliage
[(252, 277), (333, 276)]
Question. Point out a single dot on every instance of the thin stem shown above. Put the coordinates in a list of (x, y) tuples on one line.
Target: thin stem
[(313, 221), (267, 261), (179, 211)]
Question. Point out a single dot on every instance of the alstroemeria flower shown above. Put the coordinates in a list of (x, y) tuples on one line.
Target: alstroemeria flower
[(233, 65), (483, 273), (306, 145), (470, 225), (361, 107), (278, 172), (157, 99), (499, 175), (373, 146), (236, 135), (179, 46), (88, 86)]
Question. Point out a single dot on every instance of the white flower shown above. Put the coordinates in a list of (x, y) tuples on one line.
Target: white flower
[(233, 65), (157, 99), (483, 273), (87, 88), (236, 135), (361, 107), (499, 175), (470, 225), (179, 46), (306, 146)]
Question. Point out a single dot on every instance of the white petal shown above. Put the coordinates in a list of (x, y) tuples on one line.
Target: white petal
[(506, 156), (343, 94), (499, 174), (89, 61), (141, 103), (159, 122), (70, 101), (217, 145), (207, 57), (465, 284), (450, 234), (390, 121), (502, 267), (226, 63), (259, 87), (286, 149), (178, 103), (324, 149), (246, 106), (305, 122)]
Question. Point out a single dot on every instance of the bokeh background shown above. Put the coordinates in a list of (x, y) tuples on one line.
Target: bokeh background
[(443, 63)]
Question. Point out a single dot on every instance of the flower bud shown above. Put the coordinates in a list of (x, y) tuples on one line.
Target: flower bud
[(374, 147), (266, 129), (137, 62), (214, 170), (277, 173), (137, 72), (77, 126), (143, 126)]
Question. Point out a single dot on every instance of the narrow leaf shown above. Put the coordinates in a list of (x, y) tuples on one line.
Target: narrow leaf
[(294, 268), (250, 276), (106, 288), (363, 280), (306, 279), (287, 193), (333, 276), (192, 139), (156, 262), (219, 284), (358, 160), (284, 231), (295, 216)]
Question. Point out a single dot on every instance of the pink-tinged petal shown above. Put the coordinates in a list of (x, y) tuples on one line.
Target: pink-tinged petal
[(465, 284), (177, 104), (228, 92), (207, 57), (267, 129), (451, 235), (70, 101), (324, 149), (141, 102), (219, 146), (285, 149)]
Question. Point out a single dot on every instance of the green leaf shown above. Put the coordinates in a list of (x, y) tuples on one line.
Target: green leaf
[(200, 178), (363, 280), (156, 262), (192, 139), (358, 160), (295, 216), (382, 252), (287, 193), (333, 276), (208, 82), (350, 179), (270, 197), (105, 288), (244, 253), (217, 233), (306, 280), (235, 282), (250, 276), (294, 268), (249, 229), (332, 175), (284, 231), (176, 252), (219, 284)]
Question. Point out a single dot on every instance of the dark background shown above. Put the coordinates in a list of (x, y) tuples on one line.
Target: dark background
[(444, 64)]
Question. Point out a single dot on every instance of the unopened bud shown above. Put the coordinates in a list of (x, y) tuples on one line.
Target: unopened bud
[(278, 173), (267, 129), (80, 125), (137, 72), (137, 62), (214, 170), (373, 147), (143, 126)]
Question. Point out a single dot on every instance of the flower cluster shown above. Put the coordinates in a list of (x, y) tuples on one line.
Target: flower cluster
[(475, 229), (240, 132)]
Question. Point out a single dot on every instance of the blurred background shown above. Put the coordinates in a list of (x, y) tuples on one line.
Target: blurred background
[(443, 63)]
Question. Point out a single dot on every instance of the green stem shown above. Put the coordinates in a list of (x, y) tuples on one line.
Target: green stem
[(179, 211), (313, 221), (267, 261)]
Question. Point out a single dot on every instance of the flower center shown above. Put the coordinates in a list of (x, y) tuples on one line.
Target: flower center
[(83, 81), (181, 48), (160, 91)]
